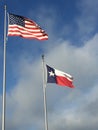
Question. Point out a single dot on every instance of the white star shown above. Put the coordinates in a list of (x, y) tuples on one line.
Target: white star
[(51, 73)]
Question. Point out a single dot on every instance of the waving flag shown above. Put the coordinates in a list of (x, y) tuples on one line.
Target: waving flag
[(59, 77), (26, 28)]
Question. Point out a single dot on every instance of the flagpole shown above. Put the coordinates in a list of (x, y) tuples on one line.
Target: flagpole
[(4, 75), (44, 91)]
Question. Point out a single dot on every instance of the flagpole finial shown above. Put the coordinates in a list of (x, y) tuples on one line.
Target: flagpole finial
[(4, 7), (43, 56)]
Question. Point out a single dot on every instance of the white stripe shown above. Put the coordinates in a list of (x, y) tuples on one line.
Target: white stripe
[(63, 74)]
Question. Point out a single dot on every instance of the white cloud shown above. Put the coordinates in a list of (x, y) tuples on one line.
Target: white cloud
[(87, 19)]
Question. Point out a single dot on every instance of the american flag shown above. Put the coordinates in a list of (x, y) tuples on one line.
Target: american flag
[(26, 28)]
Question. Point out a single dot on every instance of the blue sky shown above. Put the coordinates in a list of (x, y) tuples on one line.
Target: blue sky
[(72, 27)]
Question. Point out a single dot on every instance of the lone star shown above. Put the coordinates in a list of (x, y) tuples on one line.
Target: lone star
[(51, 73)]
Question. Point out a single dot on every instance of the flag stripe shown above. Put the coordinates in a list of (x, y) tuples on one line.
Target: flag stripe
[(62, 74), (24, 27), (15, 27), (63, 81), (11, 30), (27, 36)]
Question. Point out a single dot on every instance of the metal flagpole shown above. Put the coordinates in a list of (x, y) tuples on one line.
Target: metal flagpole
[(4, 75), (44, 91)]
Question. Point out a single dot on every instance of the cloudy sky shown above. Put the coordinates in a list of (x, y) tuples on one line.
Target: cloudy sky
[(72, 27)]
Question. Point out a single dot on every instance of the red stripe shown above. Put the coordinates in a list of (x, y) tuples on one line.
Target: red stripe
[(64, 81)]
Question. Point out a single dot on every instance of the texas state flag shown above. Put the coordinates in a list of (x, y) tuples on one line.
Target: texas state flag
[(59, 77)]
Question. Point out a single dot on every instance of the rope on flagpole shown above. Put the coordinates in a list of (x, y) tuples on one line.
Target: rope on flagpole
[(44, 91)]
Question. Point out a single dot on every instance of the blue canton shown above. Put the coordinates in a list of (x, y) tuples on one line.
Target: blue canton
[(15, 19)]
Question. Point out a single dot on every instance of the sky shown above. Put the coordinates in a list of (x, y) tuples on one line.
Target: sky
[(72, 47)]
